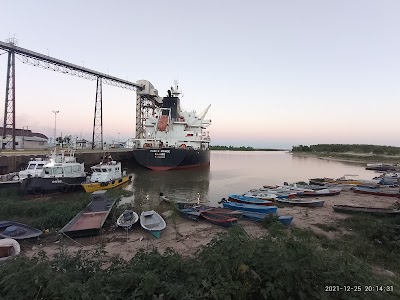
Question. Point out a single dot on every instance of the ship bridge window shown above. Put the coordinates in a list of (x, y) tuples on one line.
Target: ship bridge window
[(68, 169), (76, 168), (165, 112), (47, 171), (40, 166), (96, 170), (31, 166), (58, 171)]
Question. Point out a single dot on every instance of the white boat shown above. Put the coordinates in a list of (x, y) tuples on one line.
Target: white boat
[(8, 248), (34, 168), (106, 175), (153, 222), (127, 219), (261, 195), (62, 174)]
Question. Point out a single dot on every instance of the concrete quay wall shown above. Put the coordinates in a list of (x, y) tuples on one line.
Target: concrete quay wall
[(14, 161)]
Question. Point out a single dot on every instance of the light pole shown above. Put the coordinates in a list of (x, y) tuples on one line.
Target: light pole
[(118, 139), (55, 126), (23, 135)]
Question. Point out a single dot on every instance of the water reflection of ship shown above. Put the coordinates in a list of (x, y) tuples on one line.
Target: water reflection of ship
[(183, 184)]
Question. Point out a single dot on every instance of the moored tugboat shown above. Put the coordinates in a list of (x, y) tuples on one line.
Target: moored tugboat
[(62, 174)]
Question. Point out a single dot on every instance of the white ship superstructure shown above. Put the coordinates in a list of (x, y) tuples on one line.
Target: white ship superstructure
[(170, 127)]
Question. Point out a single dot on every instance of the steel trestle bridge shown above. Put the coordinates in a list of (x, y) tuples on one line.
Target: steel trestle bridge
[(147, 98)]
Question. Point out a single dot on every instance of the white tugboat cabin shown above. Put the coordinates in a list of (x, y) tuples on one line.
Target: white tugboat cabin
[(106, 171)]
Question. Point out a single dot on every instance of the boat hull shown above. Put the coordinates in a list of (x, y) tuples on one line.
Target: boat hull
[(249, 200), (376, 192), (218, 219), (152, 222), (127, 223), (8, 248), (90, 220), (301, 202), (38, 185), (97, 186), (258, 217), (162, 159), (250, 207), (17, 231), (366, 210)]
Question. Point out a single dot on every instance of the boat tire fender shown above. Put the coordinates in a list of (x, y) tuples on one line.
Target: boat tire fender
[(113, 182), (183, 146), (64, 188), (37, 190)]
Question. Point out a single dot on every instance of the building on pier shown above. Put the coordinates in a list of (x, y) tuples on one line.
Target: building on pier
[(26, 139)]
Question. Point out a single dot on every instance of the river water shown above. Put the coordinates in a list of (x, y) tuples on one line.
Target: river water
[(232, 172)]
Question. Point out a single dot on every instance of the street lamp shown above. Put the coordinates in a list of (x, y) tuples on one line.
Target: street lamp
[(118, 139), (55, 125)]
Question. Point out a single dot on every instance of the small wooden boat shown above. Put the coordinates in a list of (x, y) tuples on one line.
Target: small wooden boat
[(366, 210), (218, 219), (17, 231), (260, 195), (127, 219), (258, 217), (106, 175), (170, 200), (191, 212), (152, 222), (377, 192), (248, 200), (91, 219), (302, 202), (320, 193), (227, 212), (8, 248), (250, 207)]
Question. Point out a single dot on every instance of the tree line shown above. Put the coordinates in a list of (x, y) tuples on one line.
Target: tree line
[(342, 148), (241, 148)]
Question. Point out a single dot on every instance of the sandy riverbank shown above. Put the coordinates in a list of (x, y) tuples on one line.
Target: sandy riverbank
[(186, 237)]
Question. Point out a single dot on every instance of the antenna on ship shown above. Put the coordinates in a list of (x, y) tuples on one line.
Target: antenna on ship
[(175, 91)]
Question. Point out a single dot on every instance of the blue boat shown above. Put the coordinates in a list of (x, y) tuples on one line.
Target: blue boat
[(17, 231), (251, 207), (248, 200), (258, 217)]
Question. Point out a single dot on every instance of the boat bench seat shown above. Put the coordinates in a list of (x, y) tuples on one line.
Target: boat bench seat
[(152, 225)]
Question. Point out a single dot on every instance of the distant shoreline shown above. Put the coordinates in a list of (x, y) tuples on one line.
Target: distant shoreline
[(361, 158), (230, 148)]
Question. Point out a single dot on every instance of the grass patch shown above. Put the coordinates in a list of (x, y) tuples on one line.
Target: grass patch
[(291, 265), (374, 239), (44, 212), (325, 227)]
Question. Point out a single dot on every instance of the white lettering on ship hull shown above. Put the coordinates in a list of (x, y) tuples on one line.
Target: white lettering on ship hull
[(57, 181), (160, 151)]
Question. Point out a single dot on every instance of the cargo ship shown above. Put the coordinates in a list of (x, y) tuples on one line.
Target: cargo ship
[(173, 138)]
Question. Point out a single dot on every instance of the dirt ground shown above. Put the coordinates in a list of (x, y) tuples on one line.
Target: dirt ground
[(187, 237)]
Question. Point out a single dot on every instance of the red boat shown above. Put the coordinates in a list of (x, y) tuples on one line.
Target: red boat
[(377, 192), (319, 193), (218, 219)]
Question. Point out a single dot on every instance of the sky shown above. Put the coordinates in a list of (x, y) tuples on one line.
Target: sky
[(276, 73)]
